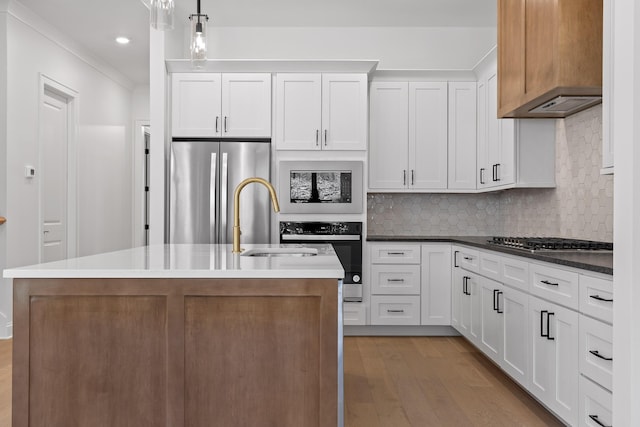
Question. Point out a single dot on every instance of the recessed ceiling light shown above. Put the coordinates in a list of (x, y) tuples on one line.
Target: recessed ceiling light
[(122, 40)]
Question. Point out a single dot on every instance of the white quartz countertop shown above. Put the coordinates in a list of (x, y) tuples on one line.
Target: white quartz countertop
[(188, 261)]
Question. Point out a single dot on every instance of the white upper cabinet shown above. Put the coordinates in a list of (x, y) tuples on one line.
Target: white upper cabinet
[(427, 135), (196, 104), (388, 147), (321, 111), (511, 153), (246, 105), (462, 136), (221, 105), (408, 147)]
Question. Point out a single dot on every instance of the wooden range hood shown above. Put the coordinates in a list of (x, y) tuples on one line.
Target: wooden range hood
[(549, 57)]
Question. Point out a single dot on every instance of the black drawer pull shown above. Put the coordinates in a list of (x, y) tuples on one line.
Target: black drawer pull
[(546, 282), (395, 311), (597, 421), (395, 253), (395, 280), (599, 298), (597, 354), (468, 258)]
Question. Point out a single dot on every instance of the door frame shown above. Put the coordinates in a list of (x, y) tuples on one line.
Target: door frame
[(46, 83)]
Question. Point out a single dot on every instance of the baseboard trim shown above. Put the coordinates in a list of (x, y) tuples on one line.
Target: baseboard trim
[(401, 331)]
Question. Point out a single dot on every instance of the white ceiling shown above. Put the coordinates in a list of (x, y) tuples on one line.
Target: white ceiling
[(96, 23)]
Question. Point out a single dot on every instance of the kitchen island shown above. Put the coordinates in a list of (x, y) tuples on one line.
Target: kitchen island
[(179, 335)]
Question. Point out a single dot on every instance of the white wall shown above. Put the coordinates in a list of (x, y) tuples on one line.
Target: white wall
[(5, 284), (104, 101), (448, 48)]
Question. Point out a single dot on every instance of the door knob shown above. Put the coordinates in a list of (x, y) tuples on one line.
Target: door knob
[(2, 220)]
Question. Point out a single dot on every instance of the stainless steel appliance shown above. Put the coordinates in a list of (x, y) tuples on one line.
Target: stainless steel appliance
[(535, 244), (321, 187), (204, 174), (346, 238)]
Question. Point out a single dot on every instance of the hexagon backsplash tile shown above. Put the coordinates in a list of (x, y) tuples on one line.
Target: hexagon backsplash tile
[(581, 205)]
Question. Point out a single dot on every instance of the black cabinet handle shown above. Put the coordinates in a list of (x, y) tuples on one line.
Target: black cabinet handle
[(395, 280), (217, 123), (542, 334), (498, 302), (495, 292), (546, 282), (597, 421), (599, 298), (466, 285), (225, 124), (482, 176), (597, 354), (497, 171), (455, 258), (549, 337), (413, 178), (395, 311), (468, 258), (404, 177)]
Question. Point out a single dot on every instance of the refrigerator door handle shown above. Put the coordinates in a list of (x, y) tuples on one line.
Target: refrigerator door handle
[(224, 199), (212, 199)]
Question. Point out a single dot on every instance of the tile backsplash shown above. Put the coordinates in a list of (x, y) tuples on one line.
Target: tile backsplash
[(581, 205)]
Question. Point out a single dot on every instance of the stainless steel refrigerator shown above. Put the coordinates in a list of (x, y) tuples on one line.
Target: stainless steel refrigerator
[(204, 175)]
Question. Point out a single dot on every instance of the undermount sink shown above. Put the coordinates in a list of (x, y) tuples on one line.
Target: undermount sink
[(274, 252)]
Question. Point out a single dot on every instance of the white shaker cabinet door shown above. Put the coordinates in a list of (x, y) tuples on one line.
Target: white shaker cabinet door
[(196, 105), (515, 353), (298, 111), (462, 136), (344, 112), (491, 318), (427, 135), (388, 147), (246, 105)]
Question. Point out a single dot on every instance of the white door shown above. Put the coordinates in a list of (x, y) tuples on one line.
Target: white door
[(246, 105), (515, 355), (344, 111), (196, 104), (388, 147), (427, 135), (298, 111), (462, 136), (491, 318), (54, 131)]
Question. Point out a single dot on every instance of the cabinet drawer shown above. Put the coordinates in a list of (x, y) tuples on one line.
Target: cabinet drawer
[(395, 254), (389, 279), (353, 313), (466, 258), (559, 286), (595, 405), (596, 348), (515, 273), (395, 310), (596, 298), (489, 265)]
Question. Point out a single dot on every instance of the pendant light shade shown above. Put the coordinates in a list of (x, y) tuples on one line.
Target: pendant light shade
[(162, 14), (198, 45)]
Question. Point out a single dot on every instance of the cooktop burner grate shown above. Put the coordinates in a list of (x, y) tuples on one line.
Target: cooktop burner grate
[(551, 243)]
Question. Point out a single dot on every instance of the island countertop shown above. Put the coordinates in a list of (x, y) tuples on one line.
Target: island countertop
[(187, 261)]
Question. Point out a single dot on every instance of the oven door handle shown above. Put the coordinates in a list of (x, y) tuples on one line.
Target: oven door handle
[(323, 237)]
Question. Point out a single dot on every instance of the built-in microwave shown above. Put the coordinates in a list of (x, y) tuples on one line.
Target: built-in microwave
[(319, 187)]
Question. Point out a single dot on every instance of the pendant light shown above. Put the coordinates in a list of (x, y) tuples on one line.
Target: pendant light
[(198, 38), (162, 14)]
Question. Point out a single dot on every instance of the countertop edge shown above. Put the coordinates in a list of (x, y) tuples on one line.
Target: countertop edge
[(480, 242)]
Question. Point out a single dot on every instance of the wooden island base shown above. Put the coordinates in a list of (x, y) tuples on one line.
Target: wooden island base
[(175, 352)]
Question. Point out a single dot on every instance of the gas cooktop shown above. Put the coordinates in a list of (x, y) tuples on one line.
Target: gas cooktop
[(535, 244)]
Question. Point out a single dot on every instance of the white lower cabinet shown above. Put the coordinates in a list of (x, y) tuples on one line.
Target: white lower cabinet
[(553, 335), (435, 285), (395, 309), (353, 313), (595, 405), (491, 318), (515, 347)]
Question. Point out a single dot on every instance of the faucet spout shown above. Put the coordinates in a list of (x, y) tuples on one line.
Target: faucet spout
[(236, 207)]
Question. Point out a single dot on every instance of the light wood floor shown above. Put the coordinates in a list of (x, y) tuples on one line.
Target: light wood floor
[(396, 382)]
